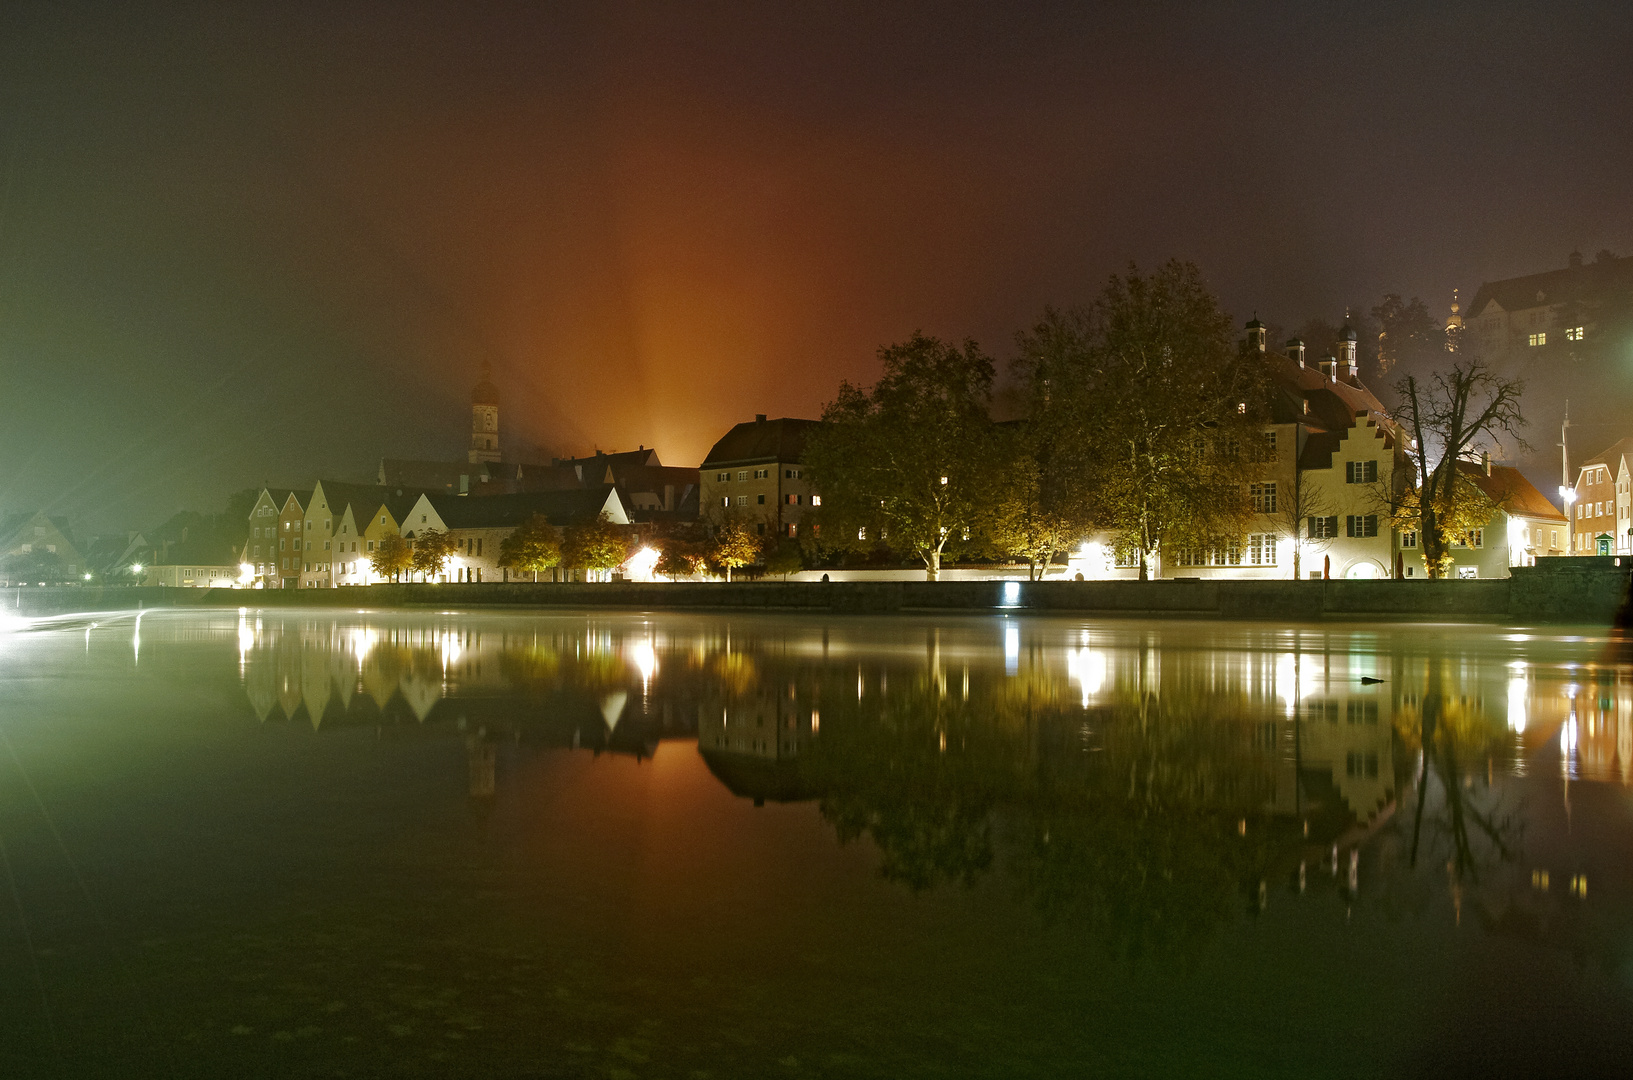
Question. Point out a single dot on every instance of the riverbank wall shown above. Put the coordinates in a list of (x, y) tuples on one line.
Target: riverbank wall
[(1583, 591)]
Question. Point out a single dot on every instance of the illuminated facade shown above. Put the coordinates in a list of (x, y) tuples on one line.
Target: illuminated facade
[(754, 473)]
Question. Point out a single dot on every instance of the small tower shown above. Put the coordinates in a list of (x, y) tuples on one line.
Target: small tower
[(1255, 336), (1346, 352), (1295, 350), (484, 419)]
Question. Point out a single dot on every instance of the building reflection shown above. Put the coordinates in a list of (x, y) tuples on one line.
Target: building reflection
[(1133, 778)]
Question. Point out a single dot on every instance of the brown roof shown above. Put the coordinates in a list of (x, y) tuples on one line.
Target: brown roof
[(1623, 448), (1509, 488), (1554, 286), (762, 440)]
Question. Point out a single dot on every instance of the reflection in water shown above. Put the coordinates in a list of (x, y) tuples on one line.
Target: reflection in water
[(1150, 782)]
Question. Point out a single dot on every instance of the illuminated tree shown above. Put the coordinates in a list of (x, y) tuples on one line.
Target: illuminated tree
[(1446, 417), (532, 546), (391, 556), (432, 550), (1027, 522), (734, 545), (596, 544), (679, 558), (36, 568), (910, 459), (1149, 410)]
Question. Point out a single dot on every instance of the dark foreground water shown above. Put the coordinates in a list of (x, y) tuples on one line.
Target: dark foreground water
[(269, 844)]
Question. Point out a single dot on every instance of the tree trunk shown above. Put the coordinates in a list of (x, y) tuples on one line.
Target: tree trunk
[(728, 572), (932, 566)]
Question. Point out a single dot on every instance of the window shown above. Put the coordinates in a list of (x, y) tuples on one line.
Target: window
[(762, 474), (742, 500), (1360, 472), (761, 499), (862, 533), (742, 474), (1261, 549), (725, 500), (1553, 538), (1323, 528), (792, 474), (791, 500), (816, 500), (1361, 712), (1468, 571), (1359, 525), (1409, 540), (1263, 498), (1573, 333), (1126, 555), (1537, 339), (1361, 764), (792, 529), (1474, 538), (1269, 444), (722, 478)]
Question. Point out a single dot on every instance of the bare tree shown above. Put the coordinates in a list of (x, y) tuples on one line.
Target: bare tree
[(1446, 417), (1303, 502)]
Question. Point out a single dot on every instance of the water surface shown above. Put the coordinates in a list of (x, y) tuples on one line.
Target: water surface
[(268, 844)]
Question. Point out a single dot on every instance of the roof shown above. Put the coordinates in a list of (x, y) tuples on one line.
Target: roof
[(1554, 286), (560, 508), (1319, 449), (1508, 487), (762, 440), (1622, 448)]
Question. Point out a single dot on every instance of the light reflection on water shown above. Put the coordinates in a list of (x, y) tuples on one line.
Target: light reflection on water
[(1153, 791)]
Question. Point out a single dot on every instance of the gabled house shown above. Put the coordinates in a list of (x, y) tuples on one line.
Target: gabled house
[(292, 541), (36, 548), (1525, 526), (1601, 515), (261, 548), (479, 526)]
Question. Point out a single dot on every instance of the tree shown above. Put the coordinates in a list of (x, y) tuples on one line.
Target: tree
[(910, 458), (1151, 410), (1302, 500), (391, 557), (595, 544), (1445, 418), (1407, 334), (785, 559), (432, 550), (679, 558), (1026, 523), (734, 545), (532, 546), (36, 568)]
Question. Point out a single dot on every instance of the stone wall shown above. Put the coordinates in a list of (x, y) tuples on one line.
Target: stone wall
[(1587, 591)]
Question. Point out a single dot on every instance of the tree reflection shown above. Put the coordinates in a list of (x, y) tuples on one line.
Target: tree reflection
[(1469, 823)]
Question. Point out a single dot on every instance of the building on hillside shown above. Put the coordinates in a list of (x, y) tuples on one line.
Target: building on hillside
[(754, 472), (1554, 315), (1525, 527), (1601, 518), (479, 526), (651, 490), (36, 548)]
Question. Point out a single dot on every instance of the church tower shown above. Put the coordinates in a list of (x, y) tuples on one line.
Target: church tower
[(484, 419)]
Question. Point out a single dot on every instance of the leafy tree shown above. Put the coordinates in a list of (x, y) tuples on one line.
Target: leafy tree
[(735, 544), (532, 546), (391, 557), (912, 457), (679, 558), (36, 568), (785, 559), (1408, 334), (432, 550), (1446, 417), (1151, 410), (1027, 522), (596, 544)]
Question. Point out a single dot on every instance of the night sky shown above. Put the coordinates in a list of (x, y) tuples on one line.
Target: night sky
[(246, 244)]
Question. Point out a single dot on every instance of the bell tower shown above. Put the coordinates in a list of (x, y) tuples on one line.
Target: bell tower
[(484, 419)]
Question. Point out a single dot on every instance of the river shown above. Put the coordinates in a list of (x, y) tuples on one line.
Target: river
[(309, 843)]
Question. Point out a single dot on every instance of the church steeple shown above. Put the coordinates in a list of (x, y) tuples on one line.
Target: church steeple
[(484, 419)]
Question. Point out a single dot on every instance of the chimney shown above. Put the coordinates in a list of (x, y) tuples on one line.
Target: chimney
[(1485, 461), (1255, 336), (759, 418), (1295, 351), (1329, 367)]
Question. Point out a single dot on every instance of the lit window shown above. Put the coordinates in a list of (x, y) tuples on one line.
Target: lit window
[(1573, 333), (1241, 407), (1538, 339), (816, 500)]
